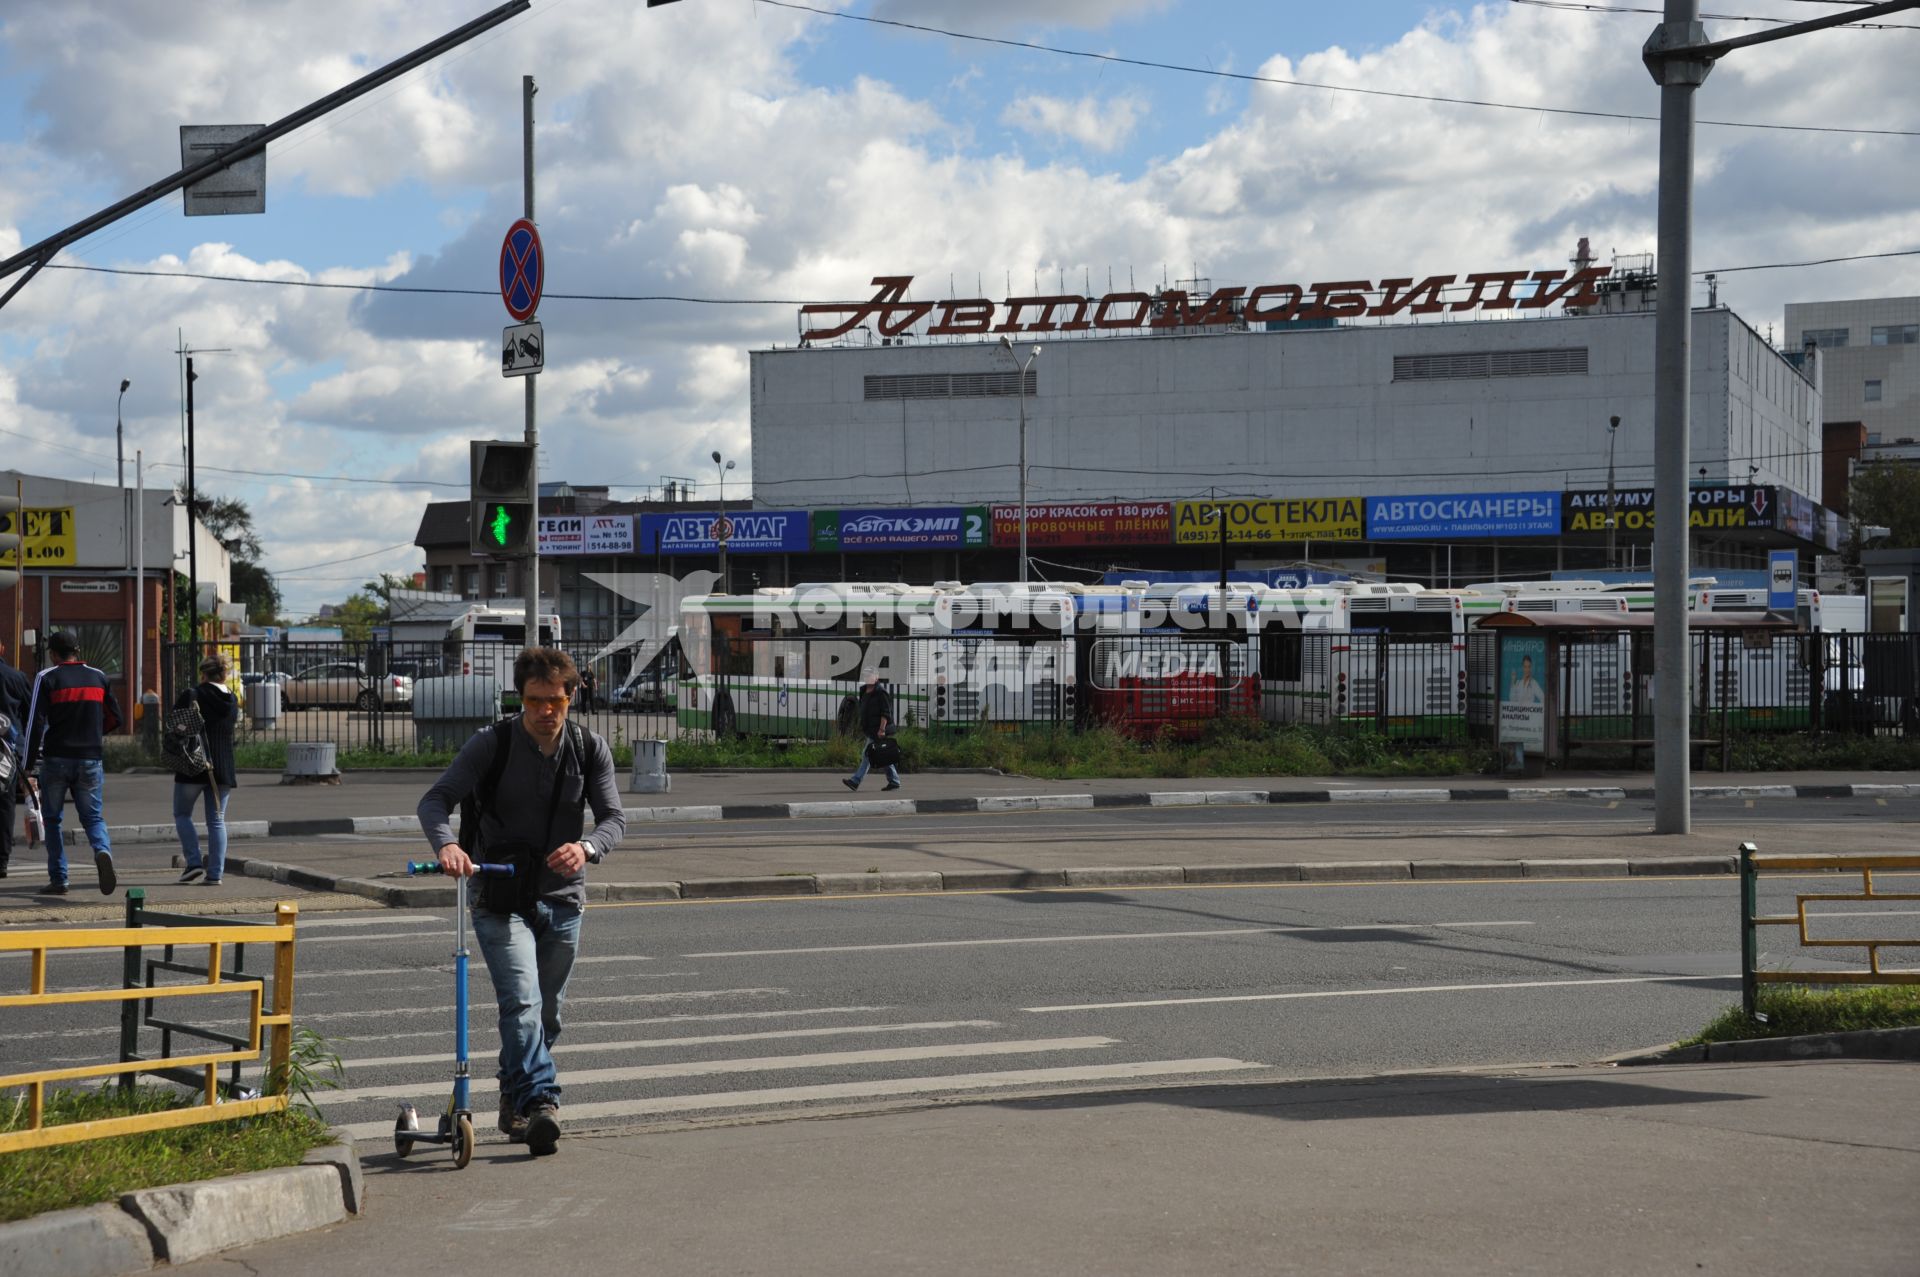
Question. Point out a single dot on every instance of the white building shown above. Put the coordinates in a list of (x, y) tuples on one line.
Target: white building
[(1870, 351)]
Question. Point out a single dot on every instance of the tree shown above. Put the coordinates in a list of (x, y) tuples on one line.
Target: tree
[(356, 617), (231, 523), (1887, 494), (382, 590)]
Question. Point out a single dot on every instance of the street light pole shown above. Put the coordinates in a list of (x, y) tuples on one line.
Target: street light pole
[(1613, 517), (1007, 346), (120, 467), (721, 522)]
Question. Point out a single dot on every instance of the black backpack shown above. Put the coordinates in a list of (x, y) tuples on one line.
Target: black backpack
[(521, 892)]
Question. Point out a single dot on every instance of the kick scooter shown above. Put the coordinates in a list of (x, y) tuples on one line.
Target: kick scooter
[(456, 1124)]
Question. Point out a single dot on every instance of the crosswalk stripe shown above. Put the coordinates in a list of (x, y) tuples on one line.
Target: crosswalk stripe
[(577, 1026), (1366, 993), (1092, 937), (480, 1006), (710, 1039), (755, 1064), (877, 1088)]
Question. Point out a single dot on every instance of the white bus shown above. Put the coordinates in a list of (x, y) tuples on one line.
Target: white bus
[(485, 640)]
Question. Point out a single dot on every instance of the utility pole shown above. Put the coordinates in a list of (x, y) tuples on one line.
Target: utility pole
[(1613, 433), (532, 561), (193, 529), (1678, 55)]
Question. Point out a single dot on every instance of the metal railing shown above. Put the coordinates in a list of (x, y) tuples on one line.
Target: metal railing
[(1753, 866), (269, 1028)]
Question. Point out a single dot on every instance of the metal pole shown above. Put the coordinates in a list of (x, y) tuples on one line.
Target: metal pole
[(532, 569), (1023, 468), (1749, 938), (1613, 516), (193, 540), (720, 542), (1678, 78), (139, 579)]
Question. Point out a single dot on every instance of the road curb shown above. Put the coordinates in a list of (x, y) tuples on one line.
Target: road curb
[(179, 1223), (433, 893), (1861, 1044), (843, 808)]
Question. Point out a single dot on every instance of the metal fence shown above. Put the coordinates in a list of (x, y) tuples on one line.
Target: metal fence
[(1413, 689)]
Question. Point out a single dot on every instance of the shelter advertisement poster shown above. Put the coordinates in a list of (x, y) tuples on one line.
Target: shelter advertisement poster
[(1523, 694)]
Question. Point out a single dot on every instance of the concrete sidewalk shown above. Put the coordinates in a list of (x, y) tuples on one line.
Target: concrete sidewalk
[(1754, 1169)]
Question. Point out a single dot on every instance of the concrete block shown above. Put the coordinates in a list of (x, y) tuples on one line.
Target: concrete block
[(1001, 879), (94, 1241), (1236, 797), (254, 828), (1006, 802), (754, 811), (1392, 795), (1127, 876), (1178, 798), (1886, 791), (384, 892), (664, 814), (1356, 871), (1122, 800), (1470, 795), (944, 806), (643, 891), (257, 868), (1468, 869), (1243, 873), (881, 807), (1683, 865), (1574, 868), (1299, 795), (827, 810), (191, 1221), (385, 824), (1063, 802), (771, 885), (345, 1159), (1743, 791), (847, 884)]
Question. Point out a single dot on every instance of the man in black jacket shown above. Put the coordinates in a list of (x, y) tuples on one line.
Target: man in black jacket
[(15, 696), (876, 717), (73, 710)]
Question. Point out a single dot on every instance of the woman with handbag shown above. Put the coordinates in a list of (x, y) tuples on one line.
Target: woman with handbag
[(198, 744)]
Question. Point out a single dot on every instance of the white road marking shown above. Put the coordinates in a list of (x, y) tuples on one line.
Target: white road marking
[(755, 1064), (874, 1089), (582, 1025), (480, 1007), (1363, 993), (1098, 936), (377, 921), (710, 1039)]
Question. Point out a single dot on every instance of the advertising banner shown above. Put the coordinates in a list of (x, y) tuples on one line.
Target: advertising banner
[(1523, 696), (1720, 509), (754, 532), (563, 534), (609, 534), (1299, 519), (923, 528), (1086, 523), (46, 537), (1463, 514)]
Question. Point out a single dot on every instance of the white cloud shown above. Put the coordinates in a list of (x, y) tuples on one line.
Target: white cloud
[(1102, 126)]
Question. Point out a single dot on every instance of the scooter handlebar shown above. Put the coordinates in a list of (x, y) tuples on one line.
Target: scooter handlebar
[(433, 867)]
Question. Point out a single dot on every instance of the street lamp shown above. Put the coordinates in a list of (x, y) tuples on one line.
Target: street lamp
[(1613, 433), (721, 524), (1007, 346), (119, 436)]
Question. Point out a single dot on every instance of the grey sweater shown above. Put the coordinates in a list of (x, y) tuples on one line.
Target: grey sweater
[(519, 809)]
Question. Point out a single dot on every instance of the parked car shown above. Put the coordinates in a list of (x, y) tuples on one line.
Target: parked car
[(647, 695), (414, 667), (338, 683)]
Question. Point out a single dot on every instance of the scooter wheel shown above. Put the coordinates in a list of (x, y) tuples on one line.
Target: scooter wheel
[(462, 1143), (403, 1127)]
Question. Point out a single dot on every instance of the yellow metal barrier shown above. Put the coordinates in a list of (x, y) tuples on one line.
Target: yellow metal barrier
[(1753, 865), (276, 1023)]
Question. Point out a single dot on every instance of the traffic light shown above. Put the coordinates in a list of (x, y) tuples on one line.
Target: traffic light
[(10, 524), (500, 519)]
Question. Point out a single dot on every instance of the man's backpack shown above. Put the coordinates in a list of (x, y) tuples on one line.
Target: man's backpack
[(519, 893)]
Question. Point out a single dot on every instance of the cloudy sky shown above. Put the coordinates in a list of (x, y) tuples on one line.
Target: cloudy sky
[(738, 151)]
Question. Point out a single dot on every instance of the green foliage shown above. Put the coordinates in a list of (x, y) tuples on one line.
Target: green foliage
[(312, 1065), (1887, 494), (1797, 752), (1793, 1009), (37, 1180)]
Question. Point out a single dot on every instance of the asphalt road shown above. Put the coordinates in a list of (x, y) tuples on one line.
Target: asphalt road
[(696, 1010)]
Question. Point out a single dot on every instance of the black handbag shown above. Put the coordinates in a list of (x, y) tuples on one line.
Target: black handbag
[(884, 751)]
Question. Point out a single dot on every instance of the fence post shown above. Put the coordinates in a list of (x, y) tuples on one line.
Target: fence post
[(1749, 934), (1380, 682), (130, 979), (280, 1048)]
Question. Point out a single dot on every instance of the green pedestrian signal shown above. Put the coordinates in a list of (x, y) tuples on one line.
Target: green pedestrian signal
[(500, 519)]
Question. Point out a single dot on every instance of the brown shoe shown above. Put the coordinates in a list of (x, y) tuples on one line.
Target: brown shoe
[(512, 1125)]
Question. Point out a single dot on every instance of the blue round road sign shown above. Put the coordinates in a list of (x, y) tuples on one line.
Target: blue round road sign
[(523, 270)]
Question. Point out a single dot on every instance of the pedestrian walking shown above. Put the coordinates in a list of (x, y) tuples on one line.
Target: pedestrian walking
[(587, 685), (217, 709), (15, 694), (72, 712), (519, 785), (876, 721)]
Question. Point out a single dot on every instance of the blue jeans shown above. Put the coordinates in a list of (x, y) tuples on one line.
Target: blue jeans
[(530, 962), (82, 777), (866, 764), (185, 795)]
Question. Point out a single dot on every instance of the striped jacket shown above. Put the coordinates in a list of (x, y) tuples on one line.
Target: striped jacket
[(73, 709)]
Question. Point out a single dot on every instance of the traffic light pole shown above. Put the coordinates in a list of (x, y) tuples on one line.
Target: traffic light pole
[(532, 561)]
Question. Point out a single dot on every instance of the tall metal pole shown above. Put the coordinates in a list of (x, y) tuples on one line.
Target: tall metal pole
[(532, 561), (120, 466), (1023, 469), (1613, 517), (139, 581), (1678, 78), (193, 538)]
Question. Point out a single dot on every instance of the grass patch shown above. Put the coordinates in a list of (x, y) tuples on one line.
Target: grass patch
[(45, 1179), (1794, 1009), (1777, 752)]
